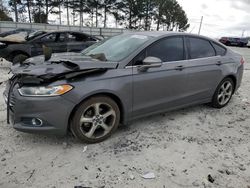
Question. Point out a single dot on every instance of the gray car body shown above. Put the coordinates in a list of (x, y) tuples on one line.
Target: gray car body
[(137, 93)]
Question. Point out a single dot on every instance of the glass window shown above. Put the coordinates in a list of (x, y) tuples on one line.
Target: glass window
[(200, 48), (118, 47), (62, 37), (77, 37), (219, 49), (49, 38), (169, 49)]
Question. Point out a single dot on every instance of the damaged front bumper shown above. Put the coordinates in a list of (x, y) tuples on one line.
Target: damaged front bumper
[(48, 115)]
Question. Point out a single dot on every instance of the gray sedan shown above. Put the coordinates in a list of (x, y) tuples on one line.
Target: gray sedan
[(119, 80)]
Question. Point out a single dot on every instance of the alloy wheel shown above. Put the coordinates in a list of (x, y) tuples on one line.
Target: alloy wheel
[(97, 120), (225, 92)]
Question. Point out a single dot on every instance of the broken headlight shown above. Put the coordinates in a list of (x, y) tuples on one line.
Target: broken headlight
[(45, 91)]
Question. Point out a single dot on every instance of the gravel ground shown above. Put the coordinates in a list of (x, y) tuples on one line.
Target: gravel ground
[(192, 147)]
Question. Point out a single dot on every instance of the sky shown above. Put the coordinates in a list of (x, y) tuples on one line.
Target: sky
[(220, 17)]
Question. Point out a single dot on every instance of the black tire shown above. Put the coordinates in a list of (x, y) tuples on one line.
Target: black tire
[(87, 110), (19, 58), (216, 101)]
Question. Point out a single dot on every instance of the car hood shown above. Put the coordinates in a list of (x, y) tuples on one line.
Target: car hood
[(12, 39), (61, 63)]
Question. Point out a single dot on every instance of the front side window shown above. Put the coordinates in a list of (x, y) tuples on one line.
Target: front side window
[(117, 48), (200, 48), (168, 49), (49, 38)]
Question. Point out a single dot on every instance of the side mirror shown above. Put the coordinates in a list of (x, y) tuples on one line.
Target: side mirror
[(150, 62)]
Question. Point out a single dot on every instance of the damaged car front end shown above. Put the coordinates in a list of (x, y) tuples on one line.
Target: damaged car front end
[(36, 95)]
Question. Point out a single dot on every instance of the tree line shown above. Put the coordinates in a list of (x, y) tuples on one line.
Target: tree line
[(131, 14)]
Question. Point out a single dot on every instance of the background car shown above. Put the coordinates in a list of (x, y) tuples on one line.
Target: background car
[(59, 41), (118, 80), (234, 41)]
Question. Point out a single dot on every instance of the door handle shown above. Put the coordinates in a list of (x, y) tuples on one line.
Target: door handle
[(218, 63), (180, 67)]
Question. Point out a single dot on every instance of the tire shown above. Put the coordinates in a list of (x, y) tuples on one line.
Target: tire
[(97, 115), (19, 58), (223, 93)]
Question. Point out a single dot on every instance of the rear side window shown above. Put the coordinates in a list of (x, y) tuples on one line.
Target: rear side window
[(219, 49), (200, 48), (168, 49), (77, 37)]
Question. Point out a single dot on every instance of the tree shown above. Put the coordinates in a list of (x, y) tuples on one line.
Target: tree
[(171, 14), (80, 7), (93, 7), (40, 17), (29, 4), (17, 7), (108, 8), (4, 16), (66, 5)]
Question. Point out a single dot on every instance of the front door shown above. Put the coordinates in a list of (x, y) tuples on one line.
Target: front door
[(158, 89)]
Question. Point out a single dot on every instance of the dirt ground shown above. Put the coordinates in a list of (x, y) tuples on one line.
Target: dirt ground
[(184, 148)]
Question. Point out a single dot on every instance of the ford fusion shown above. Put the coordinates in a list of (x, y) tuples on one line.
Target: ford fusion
[(119, 80)]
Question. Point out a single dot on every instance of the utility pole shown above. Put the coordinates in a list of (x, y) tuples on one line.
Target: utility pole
[(243, 32), (200, 25)]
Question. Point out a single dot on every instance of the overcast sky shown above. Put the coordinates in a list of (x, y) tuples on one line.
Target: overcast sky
[(221, 17)]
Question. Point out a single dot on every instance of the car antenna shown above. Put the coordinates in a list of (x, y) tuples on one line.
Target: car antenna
[(47, 52)]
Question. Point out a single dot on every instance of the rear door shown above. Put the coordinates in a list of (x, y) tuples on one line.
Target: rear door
[(203, 69), (55, 41), (161, 88)]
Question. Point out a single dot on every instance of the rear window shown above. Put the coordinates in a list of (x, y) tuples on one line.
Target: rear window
[(219, 49), (200, 48)]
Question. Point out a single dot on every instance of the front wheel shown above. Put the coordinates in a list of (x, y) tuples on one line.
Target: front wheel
[(223, 93), (95, 119), (19, 58)]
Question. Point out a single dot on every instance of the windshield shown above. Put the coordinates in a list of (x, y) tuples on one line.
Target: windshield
[(118, 47), (35, 34)]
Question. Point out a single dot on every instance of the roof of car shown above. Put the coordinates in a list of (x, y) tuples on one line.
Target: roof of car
[(164, 33)]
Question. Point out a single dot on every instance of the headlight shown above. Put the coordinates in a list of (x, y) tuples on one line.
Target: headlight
[(45, 91)]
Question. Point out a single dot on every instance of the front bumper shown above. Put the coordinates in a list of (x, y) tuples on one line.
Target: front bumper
[(53, 112)]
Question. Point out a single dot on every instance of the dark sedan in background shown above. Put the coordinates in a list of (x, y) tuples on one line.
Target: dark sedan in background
[(13, 49)]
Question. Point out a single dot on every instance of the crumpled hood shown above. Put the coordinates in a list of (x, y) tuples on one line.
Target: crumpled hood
[(60, 63)]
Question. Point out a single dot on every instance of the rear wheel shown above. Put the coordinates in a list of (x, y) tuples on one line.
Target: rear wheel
[(95, 119), (223, 93)]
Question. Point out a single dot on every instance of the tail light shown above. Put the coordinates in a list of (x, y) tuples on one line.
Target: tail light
[(242, 61)]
